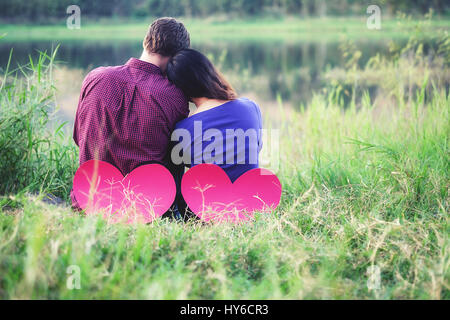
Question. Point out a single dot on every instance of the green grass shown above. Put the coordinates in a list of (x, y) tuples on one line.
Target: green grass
[(364, 187), (283, 29)]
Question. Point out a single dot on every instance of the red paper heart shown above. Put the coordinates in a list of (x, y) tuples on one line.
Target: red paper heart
[(209, 193), (144, 194)]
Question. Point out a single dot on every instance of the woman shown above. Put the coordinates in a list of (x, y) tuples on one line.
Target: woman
[(224, 130)]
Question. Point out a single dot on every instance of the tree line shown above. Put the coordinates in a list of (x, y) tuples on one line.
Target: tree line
[(45, 10)]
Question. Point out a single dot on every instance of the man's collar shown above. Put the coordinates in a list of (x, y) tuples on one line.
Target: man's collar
[(144, 66)]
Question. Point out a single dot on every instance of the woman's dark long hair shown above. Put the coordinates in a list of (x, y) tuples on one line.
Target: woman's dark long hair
[(196, 76)]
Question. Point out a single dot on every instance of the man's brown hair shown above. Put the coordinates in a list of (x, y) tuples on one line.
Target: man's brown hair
[(166, 36)]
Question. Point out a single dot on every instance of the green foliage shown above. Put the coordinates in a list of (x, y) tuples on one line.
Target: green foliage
[(33, 155)]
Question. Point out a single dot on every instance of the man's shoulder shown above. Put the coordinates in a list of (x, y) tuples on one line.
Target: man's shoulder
[(167, 93), (159, 87), (105, 82), (105, 73), (169, 97)]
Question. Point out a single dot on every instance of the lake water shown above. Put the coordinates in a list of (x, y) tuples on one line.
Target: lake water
[(259, 70)]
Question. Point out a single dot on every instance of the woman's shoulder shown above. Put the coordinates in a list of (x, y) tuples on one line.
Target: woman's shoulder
[(243, 101), (250, 105)]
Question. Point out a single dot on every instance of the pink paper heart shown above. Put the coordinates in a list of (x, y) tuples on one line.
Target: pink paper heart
[(210, 194), (144, 194)]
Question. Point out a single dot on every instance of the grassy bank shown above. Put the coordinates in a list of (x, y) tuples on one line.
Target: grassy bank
[(283, 29), (365, 194)]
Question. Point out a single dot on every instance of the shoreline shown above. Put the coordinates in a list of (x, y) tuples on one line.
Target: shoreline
[(282, 30)]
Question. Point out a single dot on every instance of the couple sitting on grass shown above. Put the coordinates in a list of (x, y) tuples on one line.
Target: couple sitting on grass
[(133, 114)]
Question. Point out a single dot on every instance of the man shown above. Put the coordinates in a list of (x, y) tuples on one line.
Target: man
[(127, 113)]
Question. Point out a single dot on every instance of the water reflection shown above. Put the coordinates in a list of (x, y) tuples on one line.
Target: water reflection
[(262, 69)]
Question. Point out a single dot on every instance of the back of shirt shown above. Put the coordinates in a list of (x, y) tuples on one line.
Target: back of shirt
[(126, 115)]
